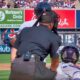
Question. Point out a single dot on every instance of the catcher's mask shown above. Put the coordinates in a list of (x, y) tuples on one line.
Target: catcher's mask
[(70, 54)]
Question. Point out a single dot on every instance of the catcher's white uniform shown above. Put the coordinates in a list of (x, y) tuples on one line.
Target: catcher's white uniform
[(68, 71)]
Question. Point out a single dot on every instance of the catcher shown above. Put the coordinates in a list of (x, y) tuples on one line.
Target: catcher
[(68, 70)]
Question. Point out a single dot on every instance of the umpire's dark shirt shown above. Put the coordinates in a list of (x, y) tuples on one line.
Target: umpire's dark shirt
[(40, 40)]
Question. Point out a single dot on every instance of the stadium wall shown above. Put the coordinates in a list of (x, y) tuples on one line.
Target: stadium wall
[(68, 27)]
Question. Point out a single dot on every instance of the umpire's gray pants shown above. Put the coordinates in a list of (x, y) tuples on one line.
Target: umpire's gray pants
[(30, 70)]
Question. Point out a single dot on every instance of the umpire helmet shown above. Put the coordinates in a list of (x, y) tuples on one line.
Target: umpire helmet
[(70, 54), (45, 14), (41, 7)]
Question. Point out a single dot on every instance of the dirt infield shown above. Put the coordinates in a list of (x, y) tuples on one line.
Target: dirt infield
[(8, 66), (5, 66)]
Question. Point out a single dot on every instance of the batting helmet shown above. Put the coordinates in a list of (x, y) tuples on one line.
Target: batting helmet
[(70, 54)]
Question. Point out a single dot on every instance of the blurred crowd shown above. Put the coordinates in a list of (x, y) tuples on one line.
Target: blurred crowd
[(33, 3)]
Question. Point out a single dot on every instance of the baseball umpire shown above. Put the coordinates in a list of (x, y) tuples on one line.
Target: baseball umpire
[(34, 44)]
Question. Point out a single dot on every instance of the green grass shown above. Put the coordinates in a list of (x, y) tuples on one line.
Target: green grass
[(4, 58), (48, 59), (4, 75)]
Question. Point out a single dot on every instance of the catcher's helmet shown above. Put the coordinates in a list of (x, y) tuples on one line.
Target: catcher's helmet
[(70, 54)]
